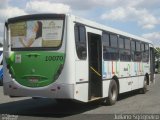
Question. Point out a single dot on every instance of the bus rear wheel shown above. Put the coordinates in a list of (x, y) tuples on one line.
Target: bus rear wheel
[(113, 93), (144, 89)]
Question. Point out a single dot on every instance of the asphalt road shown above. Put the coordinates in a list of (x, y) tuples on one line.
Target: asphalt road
[(40, 109)]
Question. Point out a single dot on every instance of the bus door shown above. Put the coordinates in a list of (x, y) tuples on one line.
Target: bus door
[(152, 64), (95, 65)]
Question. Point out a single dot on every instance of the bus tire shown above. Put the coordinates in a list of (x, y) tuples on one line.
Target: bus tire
[(144, 89), (113, 93)]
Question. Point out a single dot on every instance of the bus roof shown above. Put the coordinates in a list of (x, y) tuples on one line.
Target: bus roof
[(106, 28), (82, 21)]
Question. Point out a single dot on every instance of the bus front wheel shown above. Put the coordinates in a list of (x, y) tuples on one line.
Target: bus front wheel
[(112, 94)]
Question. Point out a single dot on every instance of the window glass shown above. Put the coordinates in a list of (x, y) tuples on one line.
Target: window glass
[(137, 56), (145, 53), (121, 42), (133, 46), (146, 47), (138, 46), (113, 40), (36, 34), (142, 47), (125, 55), (82, 34), (127, 43), (105, 39), (110, 54), (76, 34), (80, 38)]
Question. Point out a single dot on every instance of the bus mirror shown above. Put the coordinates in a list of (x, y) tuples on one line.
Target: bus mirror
[(6, 25)]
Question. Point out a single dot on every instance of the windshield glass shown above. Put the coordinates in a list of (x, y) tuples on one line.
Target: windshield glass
[(36, 34)]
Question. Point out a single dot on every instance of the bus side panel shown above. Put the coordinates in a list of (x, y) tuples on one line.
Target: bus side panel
[(81, 92), (135, 82), (106, 84), (125, 85), (141, 81), (124, 79)]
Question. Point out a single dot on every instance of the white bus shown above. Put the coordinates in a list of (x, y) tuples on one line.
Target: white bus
[(67, 57)]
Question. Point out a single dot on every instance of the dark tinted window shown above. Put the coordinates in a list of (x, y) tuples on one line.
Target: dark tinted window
[(110, 54), (146, 47), (136, 54), (80, 38), (105, 39), (113, 40), (133, 45), (145, 53), (142, 47), (127, 44), (76, 32), (125, 53), (138, 46), (110, 50), (82, 34), (121, 42)]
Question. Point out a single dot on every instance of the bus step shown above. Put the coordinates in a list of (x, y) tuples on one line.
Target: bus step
[(94, 98)]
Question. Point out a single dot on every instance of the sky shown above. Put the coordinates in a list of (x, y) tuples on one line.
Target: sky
[(138, 17)]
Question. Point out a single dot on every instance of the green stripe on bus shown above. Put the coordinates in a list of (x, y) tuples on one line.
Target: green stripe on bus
[(35, 68)]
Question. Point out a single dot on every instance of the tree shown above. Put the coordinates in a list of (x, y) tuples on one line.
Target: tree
[(157, 53)]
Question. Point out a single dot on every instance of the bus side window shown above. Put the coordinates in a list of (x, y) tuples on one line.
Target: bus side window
[(113, 49), (80, 39), (105, 40), (133, 48), (137, 55), (124, 46), (110, 46), (145, 52)]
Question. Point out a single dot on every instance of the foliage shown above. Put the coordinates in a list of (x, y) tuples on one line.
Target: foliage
[(157, 53)]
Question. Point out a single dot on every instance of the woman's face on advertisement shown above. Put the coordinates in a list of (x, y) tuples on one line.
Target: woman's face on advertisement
[(35, 29)]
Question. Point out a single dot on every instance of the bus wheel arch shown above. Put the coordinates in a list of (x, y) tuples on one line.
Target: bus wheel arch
[(113, 91)]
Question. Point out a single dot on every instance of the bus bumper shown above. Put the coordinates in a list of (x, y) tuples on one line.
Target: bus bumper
[(54, 90)]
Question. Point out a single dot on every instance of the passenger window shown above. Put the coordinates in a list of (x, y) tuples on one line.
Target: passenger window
[(137, 52), (121, 42), (125, 53), (145, 53), (105, 39), (127, 44), (138, 46), (110, 48), (133, 45), (113, 40), (142, 47), (80, 39)]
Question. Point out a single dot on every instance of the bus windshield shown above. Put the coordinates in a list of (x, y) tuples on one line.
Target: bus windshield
[(45, 33)]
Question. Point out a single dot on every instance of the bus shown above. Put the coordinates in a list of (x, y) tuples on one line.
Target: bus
[(63, 56), (1, 65)]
